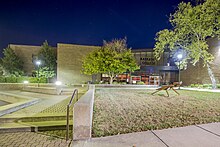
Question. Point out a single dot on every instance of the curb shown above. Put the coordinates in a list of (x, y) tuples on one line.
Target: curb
[(33, 129)]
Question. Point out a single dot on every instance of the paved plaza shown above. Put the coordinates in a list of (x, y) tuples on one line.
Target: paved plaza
[(31, 139), (207, 135), (46, 101)]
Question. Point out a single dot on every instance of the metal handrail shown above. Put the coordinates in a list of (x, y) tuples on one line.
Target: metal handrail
[(67, 115)]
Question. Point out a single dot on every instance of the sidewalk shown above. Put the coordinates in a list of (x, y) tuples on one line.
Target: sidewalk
[(45, 101), (206, 135), (197, 89)]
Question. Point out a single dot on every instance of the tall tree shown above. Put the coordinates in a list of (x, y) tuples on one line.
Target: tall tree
[(48, 57), (191, 27), (11, 63), (112, 58)]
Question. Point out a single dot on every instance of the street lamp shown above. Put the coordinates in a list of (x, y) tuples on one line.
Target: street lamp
[(38, 63), (179, 56)]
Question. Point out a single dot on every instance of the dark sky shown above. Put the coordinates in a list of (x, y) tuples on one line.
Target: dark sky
[(86, 22)]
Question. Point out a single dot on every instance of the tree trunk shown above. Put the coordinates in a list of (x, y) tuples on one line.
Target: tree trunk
[(212, 77), (130, 80), (111, 80)]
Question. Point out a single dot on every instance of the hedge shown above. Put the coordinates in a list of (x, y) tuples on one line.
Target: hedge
[(22, 79)]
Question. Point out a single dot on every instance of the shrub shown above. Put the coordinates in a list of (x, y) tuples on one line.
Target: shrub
[(35, 80), (192, 85), (140, 83), (22, 79), (123, 83), (196, 85), (200, 86), (11, 79), (205, 85), (115, 83), (2, 80)]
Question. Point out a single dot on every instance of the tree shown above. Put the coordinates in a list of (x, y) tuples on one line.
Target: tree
[(112, 58), (45, 72), (191, 27), (47, 55), (11, 63)]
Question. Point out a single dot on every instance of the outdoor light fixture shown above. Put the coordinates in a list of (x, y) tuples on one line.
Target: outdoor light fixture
[(25, 82), (38, 63), (58, 83), (180, 56), (58, 87)]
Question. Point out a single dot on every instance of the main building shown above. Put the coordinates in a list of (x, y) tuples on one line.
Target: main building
[(152, 72)]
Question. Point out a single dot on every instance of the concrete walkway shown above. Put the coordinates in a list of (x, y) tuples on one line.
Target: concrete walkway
[(45, 102), (206, 135), (198, 89)]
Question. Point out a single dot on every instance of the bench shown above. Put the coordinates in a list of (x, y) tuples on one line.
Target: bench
[(168, 87)]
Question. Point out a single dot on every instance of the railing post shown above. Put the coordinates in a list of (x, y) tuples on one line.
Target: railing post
[(67, 124), (77, 95), (67, 111)]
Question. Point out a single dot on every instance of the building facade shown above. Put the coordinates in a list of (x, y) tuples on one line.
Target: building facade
[(69, 63), (198, 74), (152, 72), (26, 53), (155, 72)]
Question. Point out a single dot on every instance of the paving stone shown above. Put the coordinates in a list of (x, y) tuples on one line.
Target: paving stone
[(212, 127), (141, 139), (26, 139), (190, 136)]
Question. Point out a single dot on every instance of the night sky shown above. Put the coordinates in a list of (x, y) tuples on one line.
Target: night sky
[(86, 22)]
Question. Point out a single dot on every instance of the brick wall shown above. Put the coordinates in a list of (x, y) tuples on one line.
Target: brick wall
[(69, 63), (199, 73), (25, 52)]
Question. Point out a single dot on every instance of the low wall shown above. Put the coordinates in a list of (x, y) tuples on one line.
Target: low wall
[(17, 106), (6, 109), (126, 86), (11, 86), (83, 113), (46, 90), (19, 86)]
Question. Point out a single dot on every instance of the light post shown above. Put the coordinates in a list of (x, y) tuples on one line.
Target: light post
[(179, 56), (25, 84), (58, 87), (38, 63)]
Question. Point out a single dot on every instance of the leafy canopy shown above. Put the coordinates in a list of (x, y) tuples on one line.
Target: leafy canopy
[(48, 57), (192, 26), (112, 58), (45, 72), (11, 63)]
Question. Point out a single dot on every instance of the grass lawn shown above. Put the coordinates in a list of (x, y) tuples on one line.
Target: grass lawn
[(118, 111)]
